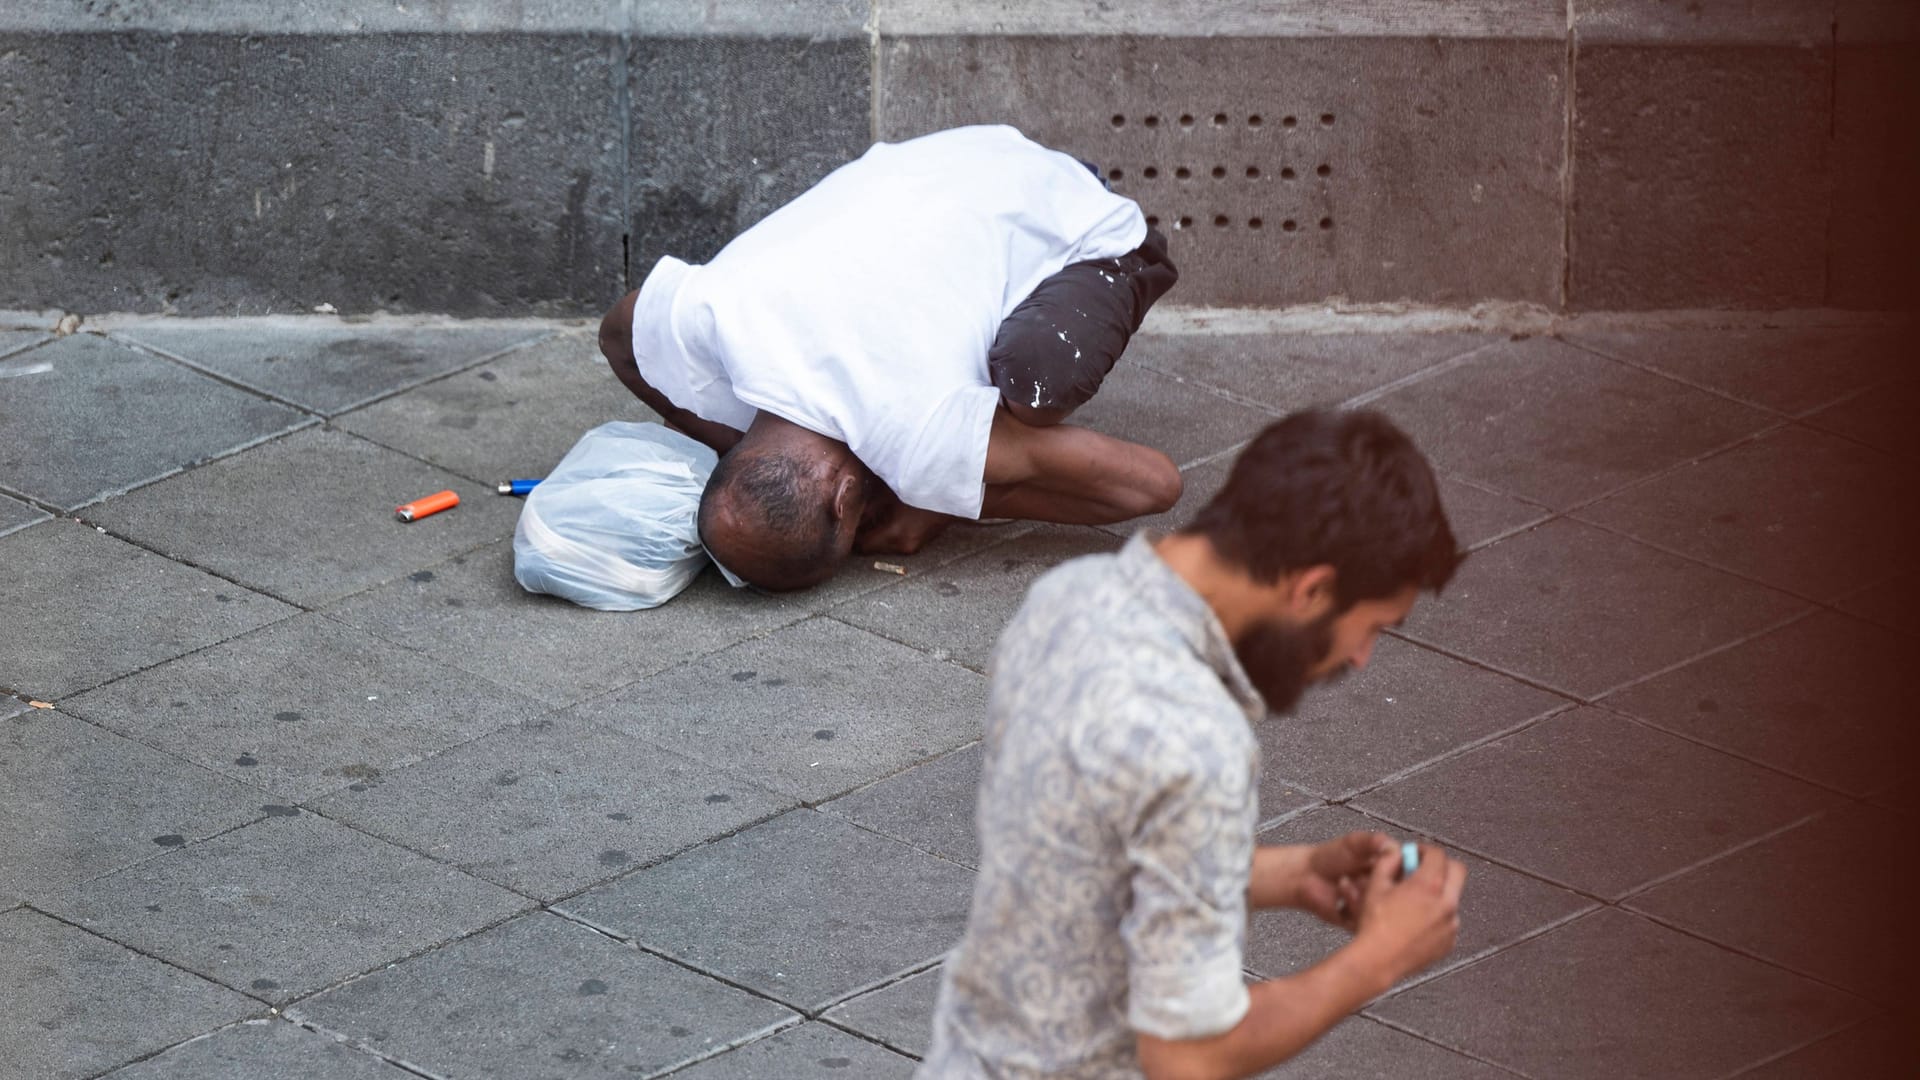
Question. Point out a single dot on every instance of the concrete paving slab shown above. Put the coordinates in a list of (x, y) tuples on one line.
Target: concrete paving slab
[(1585, 611), (1479, 516), (1777, 900), (1789, 370), (309, 518), (898, 1014), (929, 806), (1499, 907), (1360, 1047), (1613, 995), (805, 908), (96, 608), (511, 418), (16, 515), (1559, 425), (1881, 417), (550, 807), (1797, 509), (1703, 175), (302, 708), (1442, 183), (1408, 706), (13, 341), (262, 1048), (327, 366), (285, 906), (1184, 421), (469, 613), (860, 575), (540, 996), (813, 710), (1595, 803), (1281, 797), (1476, 514), (958, 612), (74, 1005), (1871, 1048), (808, 1052), (81, 802), (1286, 373), (87, 417), (1824, 698)]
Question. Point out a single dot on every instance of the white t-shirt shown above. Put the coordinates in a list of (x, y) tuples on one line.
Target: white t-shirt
[(864, 309)]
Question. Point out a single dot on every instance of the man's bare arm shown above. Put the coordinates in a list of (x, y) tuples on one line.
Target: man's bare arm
[(1284, 1017), (1073, 475), (1405, 926), (616, 344)]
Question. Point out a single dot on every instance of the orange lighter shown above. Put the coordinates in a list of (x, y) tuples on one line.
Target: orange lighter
[(432, 504)]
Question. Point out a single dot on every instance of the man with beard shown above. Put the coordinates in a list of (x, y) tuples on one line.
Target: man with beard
[(1117, 802)]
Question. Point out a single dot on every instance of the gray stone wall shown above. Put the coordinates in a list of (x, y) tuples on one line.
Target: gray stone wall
[(516, 158)]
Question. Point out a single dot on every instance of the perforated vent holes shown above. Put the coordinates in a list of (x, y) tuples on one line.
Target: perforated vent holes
[(1232, 171)]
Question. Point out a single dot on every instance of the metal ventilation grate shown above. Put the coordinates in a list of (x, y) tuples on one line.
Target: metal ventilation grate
[(1240, 194)]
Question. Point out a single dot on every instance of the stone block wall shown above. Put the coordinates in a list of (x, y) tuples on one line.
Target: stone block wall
[(505, 158)]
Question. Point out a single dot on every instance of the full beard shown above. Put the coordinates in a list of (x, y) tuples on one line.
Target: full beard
[(1279, 659)]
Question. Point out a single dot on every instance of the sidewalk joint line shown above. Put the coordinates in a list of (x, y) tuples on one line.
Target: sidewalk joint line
[(1708, 744), (119, 337), (352, 1043), (1415, 378), (1559, 709), (1431, 1040), (1645, 887), (1777, 965), (1780, 1055), (1744, 638), (1410, 636), (307, 423)]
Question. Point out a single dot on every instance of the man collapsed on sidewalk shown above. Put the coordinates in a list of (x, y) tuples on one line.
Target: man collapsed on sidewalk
[(896, 349), (1118, 798)]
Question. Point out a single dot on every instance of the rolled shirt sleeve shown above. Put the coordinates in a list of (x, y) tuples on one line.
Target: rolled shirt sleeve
[(1191, 851)]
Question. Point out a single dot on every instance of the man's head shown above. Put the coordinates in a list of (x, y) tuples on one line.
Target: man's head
[(1333, 520), (782, 511)]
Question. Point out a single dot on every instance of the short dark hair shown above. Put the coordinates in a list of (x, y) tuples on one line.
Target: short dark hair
[(770, 493), (1345, 489)]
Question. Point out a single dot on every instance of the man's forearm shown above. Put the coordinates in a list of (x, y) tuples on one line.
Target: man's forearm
[(719, 437), (1285, 1016), (1275, 880)]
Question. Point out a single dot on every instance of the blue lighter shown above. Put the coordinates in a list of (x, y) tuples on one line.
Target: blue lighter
[(515, 487)]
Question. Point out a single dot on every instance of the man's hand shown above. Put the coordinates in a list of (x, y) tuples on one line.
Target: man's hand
[(1326, 879), (1410, 924), (1404, 926)]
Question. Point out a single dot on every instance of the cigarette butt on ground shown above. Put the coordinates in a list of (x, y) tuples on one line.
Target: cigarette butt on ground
[(891, 568), (41, 704)]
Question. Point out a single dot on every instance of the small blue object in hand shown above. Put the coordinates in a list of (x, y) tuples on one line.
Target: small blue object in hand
[(1409, 858)]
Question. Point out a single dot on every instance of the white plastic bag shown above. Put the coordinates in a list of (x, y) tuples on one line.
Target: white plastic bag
[(613, 526)]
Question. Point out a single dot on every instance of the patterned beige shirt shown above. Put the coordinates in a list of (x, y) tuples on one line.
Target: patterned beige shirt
[(1116, 814)]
